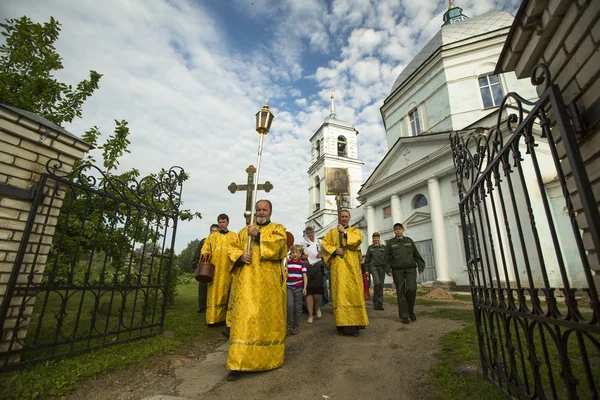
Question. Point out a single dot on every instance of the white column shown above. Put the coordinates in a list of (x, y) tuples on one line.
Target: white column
[(440, 242), (396, 213), (370, 223)]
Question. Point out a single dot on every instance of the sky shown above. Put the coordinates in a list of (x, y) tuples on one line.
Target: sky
[(190, 75)]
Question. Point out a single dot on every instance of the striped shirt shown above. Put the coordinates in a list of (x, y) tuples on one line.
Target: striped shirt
[(295, 270)]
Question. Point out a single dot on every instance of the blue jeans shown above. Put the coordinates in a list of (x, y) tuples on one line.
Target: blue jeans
[(294, 306)]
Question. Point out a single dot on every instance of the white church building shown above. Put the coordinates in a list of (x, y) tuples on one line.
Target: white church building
[(449, 86)]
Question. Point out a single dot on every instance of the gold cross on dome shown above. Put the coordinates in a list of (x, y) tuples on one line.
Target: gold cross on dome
[(331, 90)]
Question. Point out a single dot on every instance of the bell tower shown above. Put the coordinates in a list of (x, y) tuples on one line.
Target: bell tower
[(334, 145)]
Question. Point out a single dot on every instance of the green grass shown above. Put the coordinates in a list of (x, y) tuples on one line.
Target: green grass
[(56, 378), (457, 375), (389, 299), (459, 367), (462, 297)]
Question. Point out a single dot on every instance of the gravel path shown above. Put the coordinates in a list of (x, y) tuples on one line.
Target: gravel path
[(388, 360)]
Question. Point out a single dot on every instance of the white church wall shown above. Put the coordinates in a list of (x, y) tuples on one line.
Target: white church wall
[(383, 224), (438, 110), (522, 87), (456, 254), (409, 155), (564, 231), (412, 97)]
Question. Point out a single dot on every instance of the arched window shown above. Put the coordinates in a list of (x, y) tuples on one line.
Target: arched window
[(342, 146), (318, 148), (419, 201), (317, 198)]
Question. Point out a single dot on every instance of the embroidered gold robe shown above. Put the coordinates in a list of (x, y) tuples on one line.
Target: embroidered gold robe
[(258, 301), (347, 293), (217, 245)]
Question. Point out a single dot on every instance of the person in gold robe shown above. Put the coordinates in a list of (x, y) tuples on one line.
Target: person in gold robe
[(215, 248), (258, 321), (349, 309)]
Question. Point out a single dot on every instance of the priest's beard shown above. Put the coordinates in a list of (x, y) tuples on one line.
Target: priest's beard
[(262, 220)]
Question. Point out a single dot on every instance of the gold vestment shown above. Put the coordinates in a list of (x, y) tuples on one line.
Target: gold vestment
[(217, 245), (347, 291), (258, 301)]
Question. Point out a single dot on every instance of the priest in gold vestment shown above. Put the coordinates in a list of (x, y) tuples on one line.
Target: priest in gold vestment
[(216, 247), (349, 309), (258, 296)]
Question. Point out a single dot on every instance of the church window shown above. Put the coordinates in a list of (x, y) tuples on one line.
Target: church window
[(387, 212), (419, 201), (317, 198), (342, 145), (491, 91), (318, 148), (415, 125)]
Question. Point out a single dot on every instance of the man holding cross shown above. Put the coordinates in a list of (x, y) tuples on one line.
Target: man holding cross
[(258, 296), (341, 251)]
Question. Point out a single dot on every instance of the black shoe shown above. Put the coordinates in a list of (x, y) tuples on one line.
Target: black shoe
[(379, 308), (234, 375), (413, 317), (405, 321), (225, 332)]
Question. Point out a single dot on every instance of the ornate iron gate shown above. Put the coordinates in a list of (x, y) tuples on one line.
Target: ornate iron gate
[(97, 273), (535, 302)]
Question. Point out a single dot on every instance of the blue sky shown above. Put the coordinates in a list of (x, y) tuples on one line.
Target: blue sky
[(189, 77)]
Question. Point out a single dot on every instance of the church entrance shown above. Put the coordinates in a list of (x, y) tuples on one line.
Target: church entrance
[(425, 248)]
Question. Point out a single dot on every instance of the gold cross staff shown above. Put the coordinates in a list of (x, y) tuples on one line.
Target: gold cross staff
[(249, 188)]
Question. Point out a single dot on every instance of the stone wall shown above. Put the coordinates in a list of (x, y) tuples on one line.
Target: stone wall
[(565, 35), (27, 142)]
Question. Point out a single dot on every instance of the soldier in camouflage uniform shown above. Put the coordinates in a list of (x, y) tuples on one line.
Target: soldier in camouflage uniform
[(402, 258), (375, 263)]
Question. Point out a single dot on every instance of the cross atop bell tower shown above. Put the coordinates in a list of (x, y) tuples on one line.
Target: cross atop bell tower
[(332, 109)]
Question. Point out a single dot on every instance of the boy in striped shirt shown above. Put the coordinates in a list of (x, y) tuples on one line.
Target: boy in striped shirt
[(296, 288)]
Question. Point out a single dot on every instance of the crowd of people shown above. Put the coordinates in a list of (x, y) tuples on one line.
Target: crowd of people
[(259, 286)]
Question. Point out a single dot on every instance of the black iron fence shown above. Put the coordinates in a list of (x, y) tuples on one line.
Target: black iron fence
[(94, 264), (535, 301)]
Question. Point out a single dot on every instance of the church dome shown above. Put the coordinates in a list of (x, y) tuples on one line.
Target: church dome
[(452, 33)]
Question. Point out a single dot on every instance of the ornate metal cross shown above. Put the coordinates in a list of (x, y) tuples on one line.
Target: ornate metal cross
[(249, 188)]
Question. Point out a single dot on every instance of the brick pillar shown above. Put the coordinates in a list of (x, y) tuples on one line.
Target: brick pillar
[(27, 142)]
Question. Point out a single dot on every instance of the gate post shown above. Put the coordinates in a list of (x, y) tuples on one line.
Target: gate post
[(27, 142)]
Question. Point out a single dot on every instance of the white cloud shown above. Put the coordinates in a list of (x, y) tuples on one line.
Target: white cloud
[(190, 98)]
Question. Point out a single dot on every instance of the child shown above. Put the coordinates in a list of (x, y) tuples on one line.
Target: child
[(296, 288)]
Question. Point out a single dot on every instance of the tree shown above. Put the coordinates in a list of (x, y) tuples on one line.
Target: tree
[(88, 225), (28, 60), (185, 261)]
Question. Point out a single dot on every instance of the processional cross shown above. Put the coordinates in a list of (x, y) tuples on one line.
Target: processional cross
[(249, 188)]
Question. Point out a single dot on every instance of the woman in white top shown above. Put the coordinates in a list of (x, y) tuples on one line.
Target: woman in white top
[(314, 265)]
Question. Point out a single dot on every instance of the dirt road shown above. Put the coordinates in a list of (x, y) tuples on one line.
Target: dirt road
[(388, 360)]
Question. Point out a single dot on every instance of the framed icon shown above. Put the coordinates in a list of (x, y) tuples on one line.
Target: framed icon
[(337, 181)]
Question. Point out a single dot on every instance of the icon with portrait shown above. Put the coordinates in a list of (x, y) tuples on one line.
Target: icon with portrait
[(337, 181)]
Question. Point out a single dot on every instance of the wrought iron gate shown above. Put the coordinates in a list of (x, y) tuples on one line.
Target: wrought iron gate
[(94, 274), (535, 302)]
